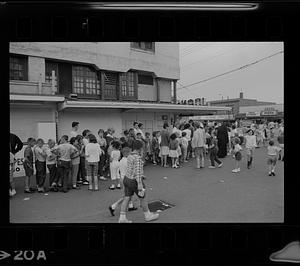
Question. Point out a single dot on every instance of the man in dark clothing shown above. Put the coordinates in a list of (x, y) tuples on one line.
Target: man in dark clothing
[(15, 144), (222, 136)]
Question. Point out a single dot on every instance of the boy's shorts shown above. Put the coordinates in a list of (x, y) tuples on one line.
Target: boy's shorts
[(238, 156), (131, 187), (249, 151), (272, 160)]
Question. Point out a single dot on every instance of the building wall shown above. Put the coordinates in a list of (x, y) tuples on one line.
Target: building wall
[(117, 56), (152, 121), (89, 119), (147, 92), (164, 90), (36, 69), (24, 119)]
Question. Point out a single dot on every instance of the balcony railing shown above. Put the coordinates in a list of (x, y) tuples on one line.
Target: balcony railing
[(29, 87)]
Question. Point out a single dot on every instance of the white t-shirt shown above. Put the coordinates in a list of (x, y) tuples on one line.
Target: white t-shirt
[(93, 152), (237, 147), (123, 167), (188, 133), (272, 150), (115, 155), (250, 141), (73, 133)]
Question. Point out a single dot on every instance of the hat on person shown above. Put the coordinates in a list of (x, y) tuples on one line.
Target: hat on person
[(74, 124)]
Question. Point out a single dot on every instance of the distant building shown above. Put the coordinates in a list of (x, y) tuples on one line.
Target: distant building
[(273, 112), (236, 103)]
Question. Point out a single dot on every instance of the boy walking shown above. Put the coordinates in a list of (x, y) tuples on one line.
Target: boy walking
[(28, 164), (40, 165)]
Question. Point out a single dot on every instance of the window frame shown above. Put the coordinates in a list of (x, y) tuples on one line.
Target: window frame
[(130, 88), (56, 73), (142, 46), (85, 70), (24, 64)]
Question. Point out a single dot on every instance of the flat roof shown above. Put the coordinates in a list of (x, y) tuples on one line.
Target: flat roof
[(140, 105)]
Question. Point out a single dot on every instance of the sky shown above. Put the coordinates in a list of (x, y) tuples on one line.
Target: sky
[(202, 60)]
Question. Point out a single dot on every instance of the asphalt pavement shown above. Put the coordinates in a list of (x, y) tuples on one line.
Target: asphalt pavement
[(199, 195)]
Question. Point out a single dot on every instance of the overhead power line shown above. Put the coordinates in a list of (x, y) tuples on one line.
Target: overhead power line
[(231, 71)]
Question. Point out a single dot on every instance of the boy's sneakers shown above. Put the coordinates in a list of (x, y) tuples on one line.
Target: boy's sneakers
[(41, 190), (85, 182), (112, 187), (118, 186), (102, 178), (236, 170), (272, 173), (154, 163), (12, 192), (112, 211), (124, 221), (27, 190), (75, 187), (79, 182), (211, 167), (151, 216), (220, 165)]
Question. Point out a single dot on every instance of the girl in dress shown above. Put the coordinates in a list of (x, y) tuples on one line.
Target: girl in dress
[(174, 144), (115, 165)]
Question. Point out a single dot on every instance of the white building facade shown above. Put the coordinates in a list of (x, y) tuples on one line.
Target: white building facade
[(98, 84)]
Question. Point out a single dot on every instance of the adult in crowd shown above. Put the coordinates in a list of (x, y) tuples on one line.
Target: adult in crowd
[(131, 138), (15, 144), (75, 128), (135, 128), (140, 130), (198, 144), (103, 145), (222, 136), (188, 132), (164, 144)]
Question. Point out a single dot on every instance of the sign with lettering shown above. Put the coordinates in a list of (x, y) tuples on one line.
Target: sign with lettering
[(252, 114), (269, 112)]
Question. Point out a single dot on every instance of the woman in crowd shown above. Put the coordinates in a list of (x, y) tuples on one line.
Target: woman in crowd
[(222, 136)]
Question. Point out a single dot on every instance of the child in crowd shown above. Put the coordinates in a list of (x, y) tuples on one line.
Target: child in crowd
[(250, 140), (178, 138), (147, 146), (133, 183), (184, 147), (273, 152), (237, 155), (12, 190), (81, 178), (103, 146), (115, 165), (28, 164), (92, 154), (75, 161), (280, 140), (40, 165), (154, 148), (51, 161), (213, 151), (123, 168), (159, 159), (173, 146), (139, 137), (85, 141)]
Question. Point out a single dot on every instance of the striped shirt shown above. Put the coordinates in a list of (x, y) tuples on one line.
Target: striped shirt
[(134, 166)]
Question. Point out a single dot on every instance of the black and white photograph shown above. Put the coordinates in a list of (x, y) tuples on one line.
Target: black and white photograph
[(146, 132)]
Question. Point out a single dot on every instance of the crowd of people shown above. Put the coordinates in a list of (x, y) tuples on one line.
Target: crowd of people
[(86, 158)]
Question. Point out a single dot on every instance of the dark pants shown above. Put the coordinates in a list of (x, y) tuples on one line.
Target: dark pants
[(101, 165), (53, 175), (40, 173), (64, 168), (82, 171), (213, 156)]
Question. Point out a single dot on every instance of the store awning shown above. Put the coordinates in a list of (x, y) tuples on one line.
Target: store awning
[(131, 106)]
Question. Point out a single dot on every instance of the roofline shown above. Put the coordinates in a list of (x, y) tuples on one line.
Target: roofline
[(138, 105)]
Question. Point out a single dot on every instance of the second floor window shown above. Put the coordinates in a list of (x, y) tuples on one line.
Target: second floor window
[(18, 68), (145, 79), (147, 46), (51, 66), (128, 85), (85, 81)]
